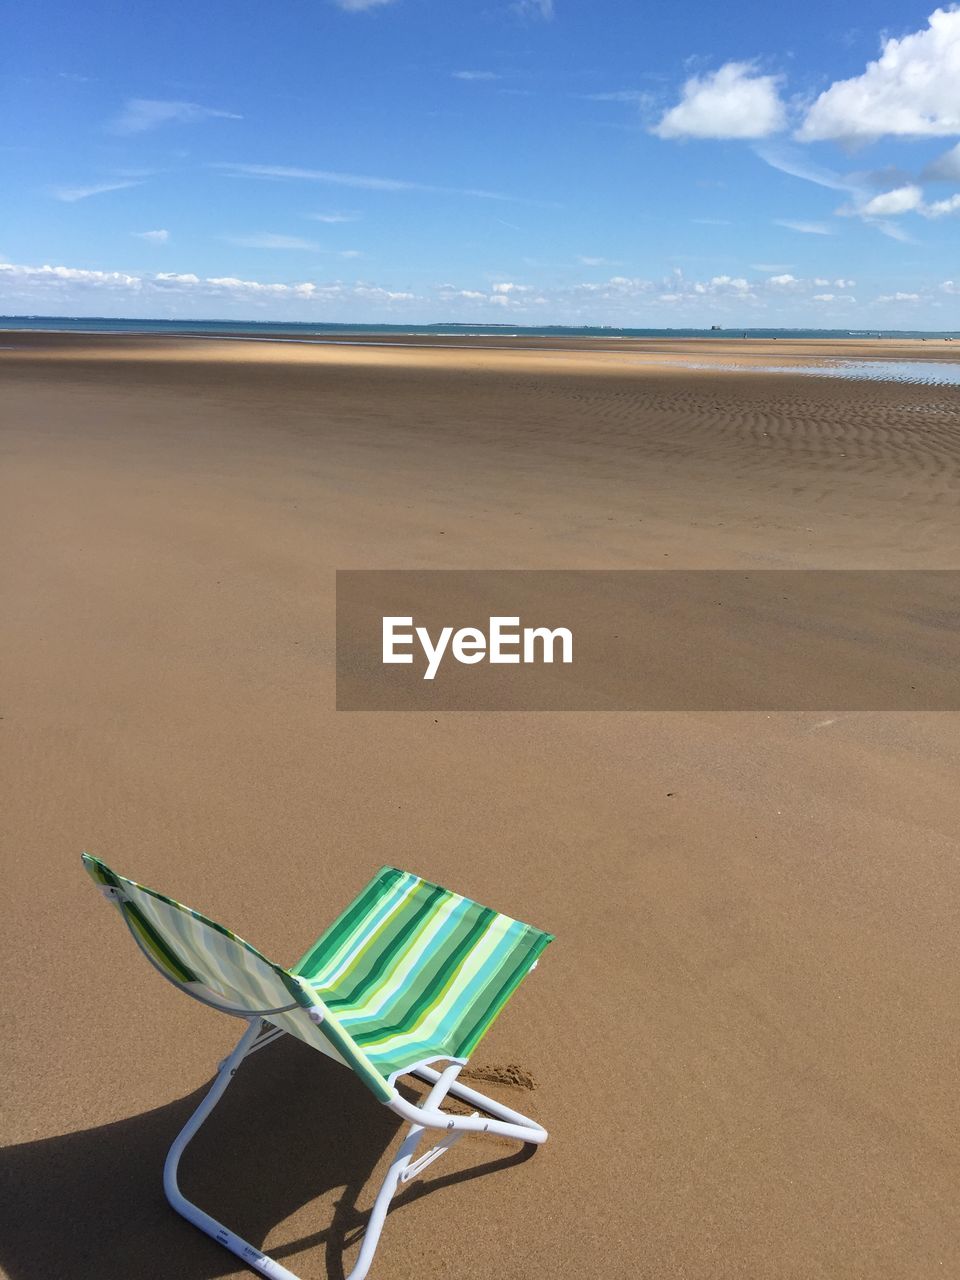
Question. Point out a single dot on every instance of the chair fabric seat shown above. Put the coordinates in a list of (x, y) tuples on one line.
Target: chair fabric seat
[(413, 972), (407, 974)]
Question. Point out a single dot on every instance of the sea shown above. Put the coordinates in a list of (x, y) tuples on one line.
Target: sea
[(304, 330)]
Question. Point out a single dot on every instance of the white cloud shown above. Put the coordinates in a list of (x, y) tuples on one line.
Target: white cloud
[(789, 160), (71, 194), (945, 168), (231, 284), (910, 91), (735, 286), (780, 299), (940, 208), (774, 289), (869, 207), (365, 182), (475, 75), (270, 240), (534, 9), (166, 284), (907, 199), (901, 200), (893, 231), (733, 102), (784, 299), (948, 286), (333, 218), (140, 114), (66, 275), (805, 228), (504, 295), (620, 297), (358, 6), (334, 178), (619, 95), (375, 293), (877, 211), (586, 261), (616, 289), (155, 237)]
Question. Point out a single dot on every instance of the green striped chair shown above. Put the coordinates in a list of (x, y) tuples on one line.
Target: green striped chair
[(410, 975)]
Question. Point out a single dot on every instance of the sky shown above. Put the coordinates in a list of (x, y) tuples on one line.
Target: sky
[(600, 162)]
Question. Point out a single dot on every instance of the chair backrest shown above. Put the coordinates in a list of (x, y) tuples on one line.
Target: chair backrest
[(217, 968)]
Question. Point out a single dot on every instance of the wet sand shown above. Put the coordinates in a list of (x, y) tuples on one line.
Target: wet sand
[(744, 1040)]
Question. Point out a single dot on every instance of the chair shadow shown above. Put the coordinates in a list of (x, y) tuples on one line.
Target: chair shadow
[(292, 1126)]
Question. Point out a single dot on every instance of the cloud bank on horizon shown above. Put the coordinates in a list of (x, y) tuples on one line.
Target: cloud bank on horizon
[(681, 180)]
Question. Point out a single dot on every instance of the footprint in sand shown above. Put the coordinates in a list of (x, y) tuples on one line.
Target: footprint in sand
[(509, 1073)]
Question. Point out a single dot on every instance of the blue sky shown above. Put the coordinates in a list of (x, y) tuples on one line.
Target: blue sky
[(527, 161)]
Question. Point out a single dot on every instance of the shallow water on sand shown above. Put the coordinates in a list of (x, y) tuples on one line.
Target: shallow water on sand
[(927, 372)]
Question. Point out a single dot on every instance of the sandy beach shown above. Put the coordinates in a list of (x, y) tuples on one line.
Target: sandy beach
[(744, 1040)]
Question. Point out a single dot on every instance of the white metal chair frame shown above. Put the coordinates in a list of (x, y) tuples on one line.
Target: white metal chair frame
[(403, 1169)]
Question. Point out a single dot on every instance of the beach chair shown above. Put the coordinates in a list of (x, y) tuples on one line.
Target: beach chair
[(408, 975)]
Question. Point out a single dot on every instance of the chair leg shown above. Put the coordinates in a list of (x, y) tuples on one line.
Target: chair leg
[(442, 1082), (378, 1214), (252, 1256), (371, 1236), (248, 1253)]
